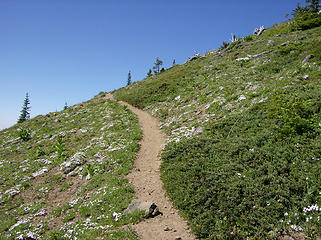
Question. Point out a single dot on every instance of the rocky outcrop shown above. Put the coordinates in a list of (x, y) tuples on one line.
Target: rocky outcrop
[(259, 31), (77, 159)]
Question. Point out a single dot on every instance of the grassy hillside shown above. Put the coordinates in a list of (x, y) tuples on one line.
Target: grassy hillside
[(62, 174), (243, 126)]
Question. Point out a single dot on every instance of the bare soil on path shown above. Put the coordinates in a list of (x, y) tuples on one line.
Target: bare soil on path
[(145, 177)]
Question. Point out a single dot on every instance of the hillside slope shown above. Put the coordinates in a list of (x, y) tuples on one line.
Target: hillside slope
[(63, 174), (243, 126)]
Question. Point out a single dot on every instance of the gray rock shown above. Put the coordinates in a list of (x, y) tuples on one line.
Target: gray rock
[(304, 36), (77, 159), (150, 209), (167, 229), (285, 43), (307, 58)]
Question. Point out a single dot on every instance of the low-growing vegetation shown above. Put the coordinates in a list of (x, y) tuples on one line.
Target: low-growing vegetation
[(243, 125), (63, 174), (252, 174)]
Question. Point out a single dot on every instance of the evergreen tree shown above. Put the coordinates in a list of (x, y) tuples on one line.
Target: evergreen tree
[(25, 114), (129, 79), (66, 106), (314, 4), (149, 73), (158, 63)]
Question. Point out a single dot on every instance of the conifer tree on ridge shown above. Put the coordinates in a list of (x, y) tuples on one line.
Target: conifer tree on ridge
[(129, 79), (25, 112)]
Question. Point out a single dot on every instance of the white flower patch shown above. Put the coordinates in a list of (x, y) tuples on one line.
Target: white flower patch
[(172, 120), (154, 111), (1, 163), (296, 228), (219, 99), (62, 134), (44, 189), (26, 178), (22, 221), (206, 117), (12, 140), (27, 208), (76, 171), (102, 217), (312, 208), (102, 190), (242, 97), (177, 134), (13, 191), (42, 212), (116, 216), (107, 116), (72, 131), (263, 100), (40, 172), (72, 203), (71, 229), (115, 146)]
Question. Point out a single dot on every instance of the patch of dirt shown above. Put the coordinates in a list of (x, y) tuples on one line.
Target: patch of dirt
[(145, 177), (289, 235), (55, 197)]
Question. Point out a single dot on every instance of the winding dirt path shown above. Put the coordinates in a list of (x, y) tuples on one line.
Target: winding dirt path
[(145, 178)]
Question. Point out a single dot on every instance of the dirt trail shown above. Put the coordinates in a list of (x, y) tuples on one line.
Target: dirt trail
[(145, 178)]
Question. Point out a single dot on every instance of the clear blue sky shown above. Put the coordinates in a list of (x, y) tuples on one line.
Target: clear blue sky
[(70, 50)]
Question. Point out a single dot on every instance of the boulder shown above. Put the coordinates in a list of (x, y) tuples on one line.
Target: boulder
[(150, 209), (77, 159)]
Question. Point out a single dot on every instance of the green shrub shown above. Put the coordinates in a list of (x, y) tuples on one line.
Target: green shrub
[(40, 152), (248, 38), (306, 20), (90, 170), (24, 134), (69, 217), (59, 147), (84, 211), (239, 180), (297, 112)]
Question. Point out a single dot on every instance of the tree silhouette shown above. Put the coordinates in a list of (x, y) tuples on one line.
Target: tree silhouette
[(149, 73), (314, 4), (25, 114), (129, 79), (158, 63)]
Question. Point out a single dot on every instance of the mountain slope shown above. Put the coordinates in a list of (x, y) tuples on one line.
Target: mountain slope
[(63, 174), (243, 126)]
